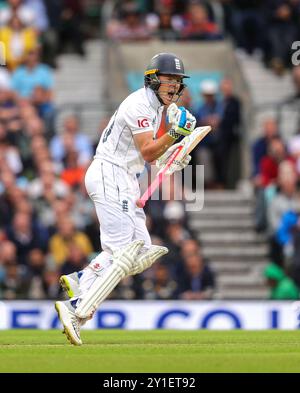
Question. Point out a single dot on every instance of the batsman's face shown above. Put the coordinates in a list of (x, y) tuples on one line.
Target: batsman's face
[(169, 87)]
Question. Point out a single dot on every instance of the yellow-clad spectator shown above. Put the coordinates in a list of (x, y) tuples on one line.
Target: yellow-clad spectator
[(64, 238), (17, 41)]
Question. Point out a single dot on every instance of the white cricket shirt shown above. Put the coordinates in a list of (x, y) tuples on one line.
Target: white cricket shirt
[(139, 112)]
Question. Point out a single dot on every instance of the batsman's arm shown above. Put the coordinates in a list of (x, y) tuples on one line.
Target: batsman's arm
[(151, 148), (182, 123)]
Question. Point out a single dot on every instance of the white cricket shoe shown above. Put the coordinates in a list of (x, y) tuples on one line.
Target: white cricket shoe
[(70, 284), (71, 323)]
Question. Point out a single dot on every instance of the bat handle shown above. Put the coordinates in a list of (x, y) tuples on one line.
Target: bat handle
[(158, 179)]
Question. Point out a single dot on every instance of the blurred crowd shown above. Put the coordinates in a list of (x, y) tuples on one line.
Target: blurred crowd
[(48, 226), (276, 180), (39, 168), (56, 26), (221, 108), (268, 27)]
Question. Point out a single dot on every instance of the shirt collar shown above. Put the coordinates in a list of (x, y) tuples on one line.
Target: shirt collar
[(153, 100)]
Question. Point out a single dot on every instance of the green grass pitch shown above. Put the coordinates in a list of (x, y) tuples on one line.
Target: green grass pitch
[(151, 351)]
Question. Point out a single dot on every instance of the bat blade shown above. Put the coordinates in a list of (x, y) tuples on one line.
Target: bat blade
[(196, 137)]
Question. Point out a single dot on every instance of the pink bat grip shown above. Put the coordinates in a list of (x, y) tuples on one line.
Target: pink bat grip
[(158, 179)]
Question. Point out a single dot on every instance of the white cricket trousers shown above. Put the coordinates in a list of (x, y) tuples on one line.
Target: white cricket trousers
[(114, 192)]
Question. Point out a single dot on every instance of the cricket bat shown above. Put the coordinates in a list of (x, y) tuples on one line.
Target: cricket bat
[(192, 141)]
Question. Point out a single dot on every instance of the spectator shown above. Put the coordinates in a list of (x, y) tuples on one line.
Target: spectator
[(37, 264), (67, 234), (15, 285), (17, 7), (51, 284), (294, 150), (128, 289), (26, 234), (8, 253), (81, 208), (266, 180), (174, 212), (281, 286), (52, 211), (9, 190), (32, 74), (42, 101), (70, 26), (5, 80), (35, 127), (286, 199), (196, 281), (17, 137), (198, 26), (269, 163), (209, 113), (32, 14), (73, 174), (76, 260), (92, 231), (228, 134), (31, 163), (164, 24), (166, 16), (46, 188), (296, 82), (175, 218), (161, 286), (5, 210), (281, 33), (12, 157), (294, 268), (186, 99), (131, 27), (260, 145), (18, 41), (71, 139), (39, 16), (247, 24), (175, 235), (8, 105)]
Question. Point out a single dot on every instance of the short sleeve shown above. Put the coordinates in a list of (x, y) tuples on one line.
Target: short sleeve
[(138, 118), (16, 80), (46, 77)]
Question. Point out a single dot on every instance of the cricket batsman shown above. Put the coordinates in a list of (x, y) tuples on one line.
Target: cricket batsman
[(111, 182)]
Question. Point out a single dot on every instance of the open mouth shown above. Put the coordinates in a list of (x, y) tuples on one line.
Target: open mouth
[(170, 95)]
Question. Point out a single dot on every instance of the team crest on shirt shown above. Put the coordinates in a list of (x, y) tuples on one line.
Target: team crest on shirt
[(125, 206)]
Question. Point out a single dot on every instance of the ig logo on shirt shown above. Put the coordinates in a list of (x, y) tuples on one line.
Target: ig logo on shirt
[(143, 123)]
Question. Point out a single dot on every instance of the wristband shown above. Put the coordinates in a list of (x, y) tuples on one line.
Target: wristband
[(173, 134)]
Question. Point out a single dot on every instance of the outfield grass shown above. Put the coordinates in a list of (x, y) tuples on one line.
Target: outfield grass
[(151, 351)]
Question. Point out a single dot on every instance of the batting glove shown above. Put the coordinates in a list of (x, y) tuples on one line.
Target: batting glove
[(182, 121), (181, 161)]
